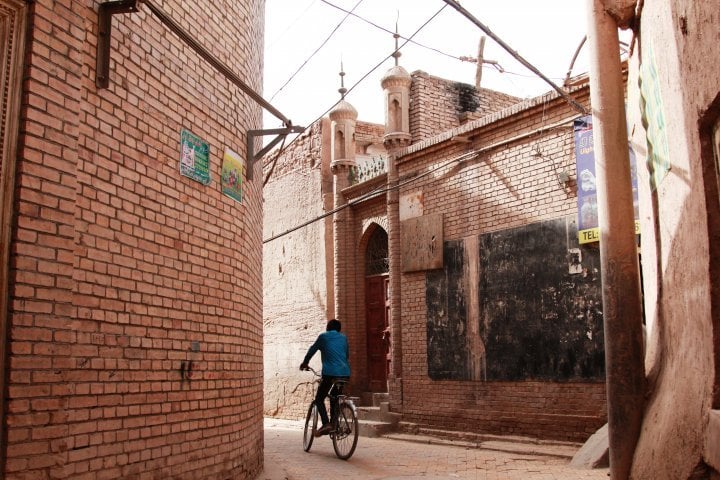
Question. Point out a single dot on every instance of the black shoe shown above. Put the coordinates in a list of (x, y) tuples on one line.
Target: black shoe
[(324, 430)]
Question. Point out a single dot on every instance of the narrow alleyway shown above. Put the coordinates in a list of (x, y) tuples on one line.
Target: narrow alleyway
[(388, 459)]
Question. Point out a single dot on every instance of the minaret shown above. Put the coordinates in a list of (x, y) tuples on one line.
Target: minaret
[(396, 86), (342, 160), (343, 117)]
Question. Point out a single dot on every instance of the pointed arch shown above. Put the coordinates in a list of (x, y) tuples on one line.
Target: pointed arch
[(374, 247), (395, 115), (339, 144)]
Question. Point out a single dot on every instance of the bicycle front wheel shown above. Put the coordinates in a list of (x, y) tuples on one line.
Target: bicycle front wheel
[(310, 427), (346, 432)]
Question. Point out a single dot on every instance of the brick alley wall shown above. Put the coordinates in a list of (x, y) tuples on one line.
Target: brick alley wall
[(298, 267), (121, 268)]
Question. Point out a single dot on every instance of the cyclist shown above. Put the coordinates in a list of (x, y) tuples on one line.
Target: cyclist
[(335, 355)]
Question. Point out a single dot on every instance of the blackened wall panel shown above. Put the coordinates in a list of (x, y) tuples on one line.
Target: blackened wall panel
[(447, 316), (538, 320)]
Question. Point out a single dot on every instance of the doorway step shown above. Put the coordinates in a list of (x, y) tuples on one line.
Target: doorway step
[(375, 416), (413, 432)]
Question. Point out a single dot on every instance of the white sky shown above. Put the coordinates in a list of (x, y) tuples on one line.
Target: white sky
[(545, 32)]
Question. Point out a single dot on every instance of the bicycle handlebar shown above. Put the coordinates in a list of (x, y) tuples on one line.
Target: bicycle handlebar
[(310, 369)]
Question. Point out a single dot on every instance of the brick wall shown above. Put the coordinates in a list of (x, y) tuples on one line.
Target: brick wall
[(508, 186), (438, 105), (121, 269)]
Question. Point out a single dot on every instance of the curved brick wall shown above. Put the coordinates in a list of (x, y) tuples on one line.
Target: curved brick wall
[(121, 268)]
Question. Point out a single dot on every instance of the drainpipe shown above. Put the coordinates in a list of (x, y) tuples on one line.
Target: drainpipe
[(622, 312)]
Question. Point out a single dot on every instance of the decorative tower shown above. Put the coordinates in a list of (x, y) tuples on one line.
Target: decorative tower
[(343, 117), (396, 86), (342, 161)]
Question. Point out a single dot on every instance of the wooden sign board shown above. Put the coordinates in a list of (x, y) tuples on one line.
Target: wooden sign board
[(421, 240)]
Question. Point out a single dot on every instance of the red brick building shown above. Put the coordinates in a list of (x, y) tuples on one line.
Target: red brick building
[(451, 269), (131, 323)]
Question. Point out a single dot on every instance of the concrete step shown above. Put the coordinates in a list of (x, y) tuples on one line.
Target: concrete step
[(371, 428), (374, 399), (378, 414), (505, 443)]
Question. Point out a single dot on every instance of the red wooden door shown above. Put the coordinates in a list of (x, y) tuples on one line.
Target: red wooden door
[(376, 305)]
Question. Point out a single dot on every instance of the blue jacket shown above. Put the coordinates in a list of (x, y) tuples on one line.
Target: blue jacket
[(334, 351)]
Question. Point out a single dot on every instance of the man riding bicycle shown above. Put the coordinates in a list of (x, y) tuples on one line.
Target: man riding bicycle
[(335, 356)]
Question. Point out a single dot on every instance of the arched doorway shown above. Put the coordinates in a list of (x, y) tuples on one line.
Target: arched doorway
[(377, 307)]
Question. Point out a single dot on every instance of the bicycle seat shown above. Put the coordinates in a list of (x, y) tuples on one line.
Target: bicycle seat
[(338, 383)]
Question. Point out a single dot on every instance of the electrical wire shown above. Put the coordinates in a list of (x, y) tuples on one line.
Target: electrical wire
[(372, 193), (292, 24), (516, 55), (364, 77), (391, 32), (460, 158), (316, 50)]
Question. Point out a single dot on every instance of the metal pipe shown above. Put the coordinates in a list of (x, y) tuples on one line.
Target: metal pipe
[(214, 61), (622, 312)]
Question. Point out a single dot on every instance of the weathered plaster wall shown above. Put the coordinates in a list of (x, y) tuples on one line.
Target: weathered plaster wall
[(536, 318), (677, 55), (297, 268)]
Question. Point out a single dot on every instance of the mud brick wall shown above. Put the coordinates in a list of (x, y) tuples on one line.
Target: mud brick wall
[(122, 270)]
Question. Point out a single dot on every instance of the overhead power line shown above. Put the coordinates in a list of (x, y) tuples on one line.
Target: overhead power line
[(363, 78), (515, 55), (379, 27), (316, 50), (463, 157)]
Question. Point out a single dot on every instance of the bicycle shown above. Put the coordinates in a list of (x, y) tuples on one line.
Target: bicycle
[(343, 418)]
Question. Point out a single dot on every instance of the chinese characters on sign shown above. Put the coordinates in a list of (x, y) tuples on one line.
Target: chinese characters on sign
[(194, 157), (588, 230)]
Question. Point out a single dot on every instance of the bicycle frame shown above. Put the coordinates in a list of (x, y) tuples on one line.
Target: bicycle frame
[(343, 418)]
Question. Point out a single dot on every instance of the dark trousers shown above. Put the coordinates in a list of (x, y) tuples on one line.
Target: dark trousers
[(322, 391)]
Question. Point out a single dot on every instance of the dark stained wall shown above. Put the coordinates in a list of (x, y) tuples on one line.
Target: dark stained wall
[(537, 321), (447, 317)]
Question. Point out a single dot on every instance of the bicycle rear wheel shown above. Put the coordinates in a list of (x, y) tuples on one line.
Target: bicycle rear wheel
[(345, 436), (310, 427)]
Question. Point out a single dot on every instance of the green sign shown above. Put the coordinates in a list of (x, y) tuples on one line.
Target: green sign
[(194, 157), (653, 118)]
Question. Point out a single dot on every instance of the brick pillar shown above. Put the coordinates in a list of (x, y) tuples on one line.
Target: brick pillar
[(343, 118), (393, 215), (342, 229), (396, 86)]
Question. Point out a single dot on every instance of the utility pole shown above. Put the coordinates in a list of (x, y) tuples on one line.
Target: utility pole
[(480, 61), (622, 309)]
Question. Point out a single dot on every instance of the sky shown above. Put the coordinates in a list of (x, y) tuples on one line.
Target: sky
[(546, 33)]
